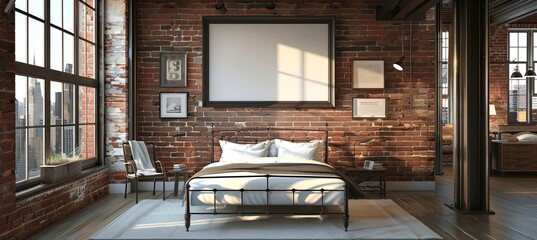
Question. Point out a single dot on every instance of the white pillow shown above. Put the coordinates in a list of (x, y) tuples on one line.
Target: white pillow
[(272, 148), (318, 145), (228, 147), (527, 137), (239, 154), (302, 152)]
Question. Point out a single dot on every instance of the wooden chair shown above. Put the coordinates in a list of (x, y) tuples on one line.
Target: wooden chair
[(132, 171)]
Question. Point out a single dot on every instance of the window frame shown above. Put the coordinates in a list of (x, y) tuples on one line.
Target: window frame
[(50, 75), (531, 60)]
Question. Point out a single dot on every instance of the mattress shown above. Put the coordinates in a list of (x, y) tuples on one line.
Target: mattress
[(228, 184)]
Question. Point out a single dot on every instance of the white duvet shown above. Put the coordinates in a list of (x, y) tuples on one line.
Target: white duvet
[(256, 181)]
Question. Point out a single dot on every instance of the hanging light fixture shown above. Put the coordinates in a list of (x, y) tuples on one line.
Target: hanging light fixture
[(221, 7), (530, 72), (400, 65), (516, 73)]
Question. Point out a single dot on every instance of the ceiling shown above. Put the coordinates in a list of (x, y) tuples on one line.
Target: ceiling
[(501, 11)]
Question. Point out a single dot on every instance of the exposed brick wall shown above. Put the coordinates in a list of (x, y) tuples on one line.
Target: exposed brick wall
[(7, 119), (404, 141), (38, 212), (116, 96)]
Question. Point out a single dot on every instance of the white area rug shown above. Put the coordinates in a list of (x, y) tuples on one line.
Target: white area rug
[(369, 219)]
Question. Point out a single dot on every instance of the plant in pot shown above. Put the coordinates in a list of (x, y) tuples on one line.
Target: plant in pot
[(62, 166)]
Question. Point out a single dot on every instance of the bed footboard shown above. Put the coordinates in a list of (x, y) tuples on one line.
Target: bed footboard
[(267, 207)]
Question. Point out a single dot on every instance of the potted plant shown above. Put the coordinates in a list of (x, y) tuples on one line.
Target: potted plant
[(59, 167)]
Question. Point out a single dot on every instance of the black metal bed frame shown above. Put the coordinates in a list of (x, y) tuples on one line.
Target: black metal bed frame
[(267, 206)]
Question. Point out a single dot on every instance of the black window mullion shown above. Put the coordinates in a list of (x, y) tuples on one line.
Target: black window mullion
[(76, 34)]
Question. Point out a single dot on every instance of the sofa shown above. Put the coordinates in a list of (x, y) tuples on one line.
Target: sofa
[(515, 153)]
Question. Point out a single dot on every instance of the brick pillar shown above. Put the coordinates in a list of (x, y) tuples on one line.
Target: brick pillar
[(116, 75), (7, 120)]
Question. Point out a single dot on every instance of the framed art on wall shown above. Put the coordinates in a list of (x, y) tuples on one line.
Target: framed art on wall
[(368, 74), (173, 105), (268, 61), (369, 108), (173, 70)]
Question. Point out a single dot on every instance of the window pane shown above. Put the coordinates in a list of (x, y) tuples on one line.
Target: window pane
[(513, 39), (68, 142), (82, 58), (35, 151), (68, 15), (87, 141), (62, 144), (20, 154), (21, 31), (55, 103), (36, 105), (56, 13), (534, 109), (82, 21), (35, 7), (36, 49), (21, 5), (55, 49), (513, 54), (90, 25), (55, 145), (90, 72), (86, 105), (522, 54), (523, 40), (21, 88), (68, 52), (68, 103)]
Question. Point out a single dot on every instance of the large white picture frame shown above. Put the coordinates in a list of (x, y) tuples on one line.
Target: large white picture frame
[(268, 62)]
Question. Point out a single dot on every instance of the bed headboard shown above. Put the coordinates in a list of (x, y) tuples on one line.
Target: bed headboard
[(259, 134)]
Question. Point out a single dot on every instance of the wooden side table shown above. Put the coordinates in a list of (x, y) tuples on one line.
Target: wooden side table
[(185, 173), (360, 174)]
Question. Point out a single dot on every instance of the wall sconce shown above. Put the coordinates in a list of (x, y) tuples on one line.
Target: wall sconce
[(271, 5), (400, 65), (221, 7)]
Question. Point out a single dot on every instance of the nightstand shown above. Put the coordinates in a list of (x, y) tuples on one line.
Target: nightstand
[(360, 174), (178, 173)]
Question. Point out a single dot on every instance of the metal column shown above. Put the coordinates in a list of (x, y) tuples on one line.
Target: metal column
[(471, 123)]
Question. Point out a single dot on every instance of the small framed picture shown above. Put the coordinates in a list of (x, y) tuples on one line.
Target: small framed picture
[(173, 70), (368, 108), (368, 74), (173, 105), (369, 164)]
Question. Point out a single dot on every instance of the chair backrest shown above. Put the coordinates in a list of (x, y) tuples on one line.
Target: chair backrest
[(127, 153)]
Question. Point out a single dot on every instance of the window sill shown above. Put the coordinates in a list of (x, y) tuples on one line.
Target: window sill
[(40, 188)]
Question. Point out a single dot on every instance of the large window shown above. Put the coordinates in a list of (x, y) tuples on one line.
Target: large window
[(55, 85), (522, 91), (446, 116)]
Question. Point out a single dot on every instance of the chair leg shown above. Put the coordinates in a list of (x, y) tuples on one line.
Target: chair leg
[(154, 185), (163, 189), (136, 187), (126, 182)]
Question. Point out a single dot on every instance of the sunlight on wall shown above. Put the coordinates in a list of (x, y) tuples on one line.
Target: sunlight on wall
[(301, 72)]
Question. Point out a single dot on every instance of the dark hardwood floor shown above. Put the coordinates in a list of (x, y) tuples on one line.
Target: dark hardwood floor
[(513, 199)]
